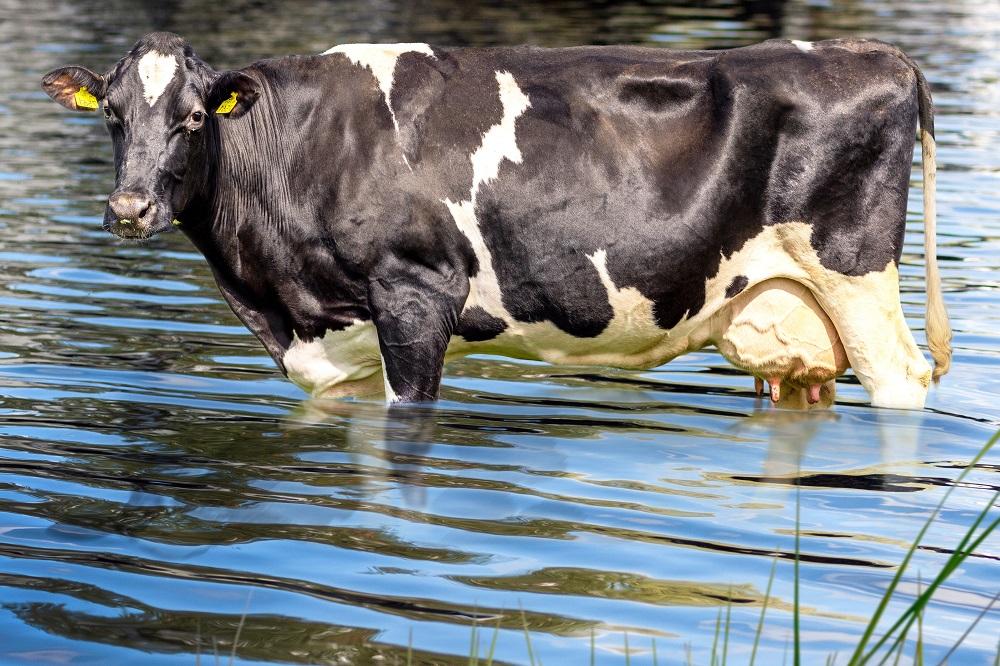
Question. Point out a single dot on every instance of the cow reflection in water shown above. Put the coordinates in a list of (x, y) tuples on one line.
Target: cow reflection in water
[(789, 434), (391, 448), (387, 446)]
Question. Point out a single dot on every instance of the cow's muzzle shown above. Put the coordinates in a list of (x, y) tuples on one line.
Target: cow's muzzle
[(134, 215)]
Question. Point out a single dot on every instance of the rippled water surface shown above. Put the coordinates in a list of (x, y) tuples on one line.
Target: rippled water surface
[(163, 489)]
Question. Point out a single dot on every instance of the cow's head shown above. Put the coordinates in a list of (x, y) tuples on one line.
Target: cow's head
[(160, 103)]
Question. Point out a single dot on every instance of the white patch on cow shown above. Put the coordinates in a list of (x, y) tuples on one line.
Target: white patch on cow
[(381, 60), (341, 363), (390, 394), (499, 143), (156, 71), (803, 46)]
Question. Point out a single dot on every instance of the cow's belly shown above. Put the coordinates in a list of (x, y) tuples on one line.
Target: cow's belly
[(774, 329), (631, 340)]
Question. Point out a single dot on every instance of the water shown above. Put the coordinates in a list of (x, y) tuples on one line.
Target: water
[(163, 488)]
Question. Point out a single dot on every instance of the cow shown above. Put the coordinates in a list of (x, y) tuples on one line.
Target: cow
[(376, 210)]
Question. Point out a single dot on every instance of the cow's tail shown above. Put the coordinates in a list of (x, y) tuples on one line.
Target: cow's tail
[(938, 327)]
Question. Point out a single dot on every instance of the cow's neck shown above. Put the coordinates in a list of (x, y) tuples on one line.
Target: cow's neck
[(264, 239)]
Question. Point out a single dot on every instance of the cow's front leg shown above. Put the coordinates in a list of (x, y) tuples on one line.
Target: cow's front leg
[(415, 309)]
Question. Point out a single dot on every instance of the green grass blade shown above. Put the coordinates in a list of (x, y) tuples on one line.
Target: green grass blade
[(628, 659), (473, 649), (493, 643), (239, 628), (715, 641), (859, 657), (906, 620), (527, 635), (918, 654), (968, 631), (920, 634), (725, 635), (763, 610), (959, 555), (899, 653)]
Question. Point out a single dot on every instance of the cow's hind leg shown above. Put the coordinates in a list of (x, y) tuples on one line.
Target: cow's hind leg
[(869, 318)]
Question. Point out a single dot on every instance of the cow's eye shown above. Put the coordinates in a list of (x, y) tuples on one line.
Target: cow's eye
[(195, 120)]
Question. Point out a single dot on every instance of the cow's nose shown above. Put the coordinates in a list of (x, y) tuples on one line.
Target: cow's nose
[(130, 206)]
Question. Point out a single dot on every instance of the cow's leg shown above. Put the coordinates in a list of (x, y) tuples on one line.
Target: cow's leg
[(881, 349), (415, 309)]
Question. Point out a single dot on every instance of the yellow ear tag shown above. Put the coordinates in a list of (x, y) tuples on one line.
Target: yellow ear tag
[(84, 100), (227, 105)]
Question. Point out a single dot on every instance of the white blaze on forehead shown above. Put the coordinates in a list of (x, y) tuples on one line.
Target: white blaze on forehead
[(156, 71), (804, 46), (499, 143), (381, 60)]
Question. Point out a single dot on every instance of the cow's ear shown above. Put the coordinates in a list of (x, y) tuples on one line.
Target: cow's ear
[(76, 88), (232, 94)]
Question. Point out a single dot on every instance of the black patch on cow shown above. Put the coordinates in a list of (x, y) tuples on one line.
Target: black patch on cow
[(478, 325), (657, 94), (418, 84), (738, 284), (850, 185), (543, 275), (619, 187)]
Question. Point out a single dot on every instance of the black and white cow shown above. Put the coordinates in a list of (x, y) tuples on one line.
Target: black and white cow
[(375, 210)]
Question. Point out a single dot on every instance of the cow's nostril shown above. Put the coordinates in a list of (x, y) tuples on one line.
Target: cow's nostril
[(130, 206)]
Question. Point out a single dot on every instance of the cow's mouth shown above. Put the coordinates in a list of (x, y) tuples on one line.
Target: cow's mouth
[(131, 229), (134, 215)]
